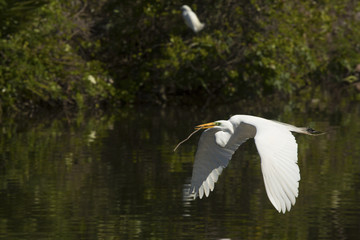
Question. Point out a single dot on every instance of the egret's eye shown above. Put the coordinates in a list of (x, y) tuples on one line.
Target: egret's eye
[(217, 124)]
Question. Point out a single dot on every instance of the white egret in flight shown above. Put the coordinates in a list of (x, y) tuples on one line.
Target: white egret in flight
[(276, 146), (191, 20)]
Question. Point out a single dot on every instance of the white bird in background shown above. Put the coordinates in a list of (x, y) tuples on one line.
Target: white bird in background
[(275, 143), (191, 19)]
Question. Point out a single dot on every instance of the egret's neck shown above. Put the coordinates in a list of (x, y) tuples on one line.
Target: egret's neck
[(222, 137)]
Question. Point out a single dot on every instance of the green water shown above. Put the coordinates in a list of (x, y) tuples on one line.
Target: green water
[(115, 176)]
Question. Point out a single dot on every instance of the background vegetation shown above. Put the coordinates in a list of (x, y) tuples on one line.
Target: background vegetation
[(89, 53)]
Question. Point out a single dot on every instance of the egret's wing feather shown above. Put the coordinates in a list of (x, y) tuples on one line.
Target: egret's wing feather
[(278, 151), (211, 159), (188, 21), (242, 132), (192, 21)]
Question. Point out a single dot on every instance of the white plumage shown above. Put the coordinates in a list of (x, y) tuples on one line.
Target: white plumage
[(191, 20), (276, 146)]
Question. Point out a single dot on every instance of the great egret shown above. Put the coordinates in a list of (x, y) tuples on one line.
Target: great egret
[(191, 20), (276, 146)]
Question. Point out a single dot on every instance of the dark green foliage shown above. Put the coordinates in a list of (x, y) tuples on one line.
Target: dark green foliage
[(246, 49), (42, 60), (52, 52), (15, 13)]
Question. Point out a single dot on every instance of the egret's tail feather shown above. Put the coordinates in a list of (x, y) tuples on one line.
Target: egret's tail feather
[(303, 130), (200, 27), (313, 132), (307, 131)]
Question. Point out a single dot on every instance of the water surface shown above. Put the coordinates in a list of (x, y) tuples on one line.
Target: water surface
[(115, 176)]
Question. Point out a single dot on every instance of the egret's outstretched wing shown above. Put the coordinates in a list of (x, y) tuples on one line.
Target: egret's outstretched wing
[(278, 151), (191, 20), (211, 158)]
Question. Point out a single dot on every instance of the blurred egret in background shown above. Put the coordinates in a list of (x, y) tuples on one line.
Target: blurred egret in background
[(276, 146), (191, 19)]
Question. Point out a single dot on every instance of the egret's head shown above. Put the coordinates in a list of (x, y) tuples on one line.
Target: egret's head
[(185, 8)]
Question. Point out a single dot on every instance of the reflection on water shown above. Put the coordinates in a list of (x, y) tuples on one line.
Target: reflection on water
[(116, 177)]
